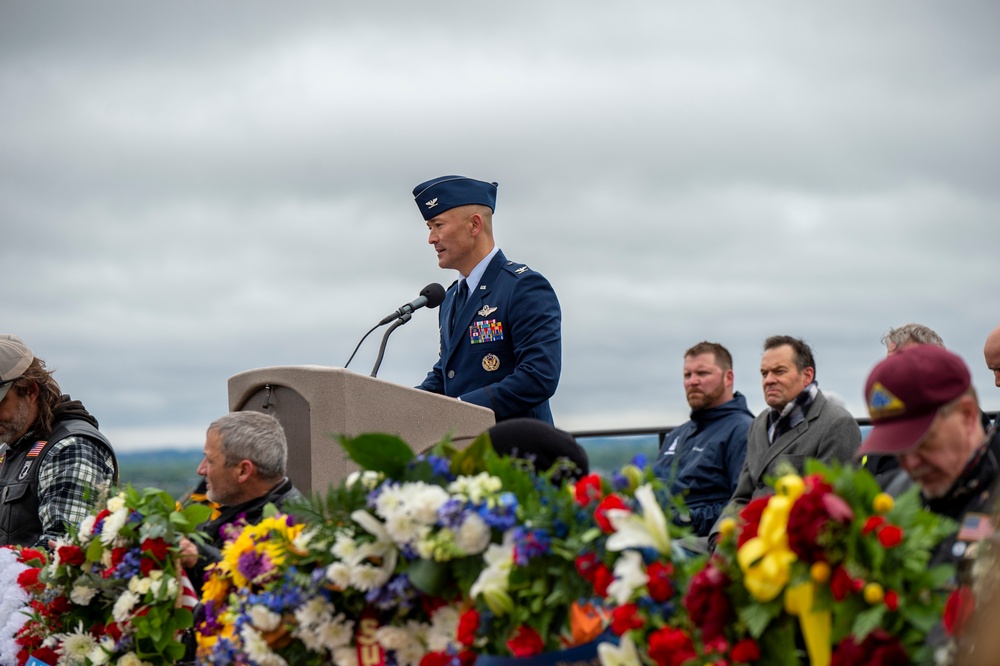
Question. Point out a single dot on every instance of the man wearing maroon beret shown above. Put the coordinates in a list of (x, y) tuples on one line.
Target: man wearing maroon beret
[(925, 412)]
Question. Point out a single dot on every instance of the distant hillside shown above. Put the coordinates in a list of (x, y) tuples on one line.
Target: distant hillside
[(176, 471), (170, 470)]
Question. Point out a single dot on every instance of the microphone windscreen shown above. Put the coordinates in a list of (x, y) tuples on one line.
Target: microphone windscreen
[(434, 293)]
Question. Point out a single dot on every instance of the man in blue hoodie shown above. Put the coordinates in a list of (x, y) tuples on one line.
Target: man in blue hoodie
[(702, 458)]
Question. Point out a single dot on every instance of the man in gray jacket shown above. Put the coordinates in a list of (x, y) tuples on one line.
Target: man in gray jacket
[(801, 423)]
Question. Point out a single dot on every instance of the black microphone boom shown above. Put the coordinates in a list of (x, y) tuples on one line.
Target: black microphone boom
[(431, 296)]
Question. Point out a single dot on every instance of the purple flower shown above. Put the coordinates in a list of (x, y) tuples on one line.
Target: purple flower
[(528, 544), (253, 565)]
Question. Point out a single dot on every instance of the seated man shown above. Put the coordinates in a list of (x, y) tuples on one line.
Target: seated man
[(925, 412), (244, 469), (801, 423), (53, 459), (702, 458)]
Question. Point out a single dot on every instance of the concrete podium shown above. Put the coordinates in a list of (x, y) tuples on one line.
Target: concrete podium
[(312, 402)]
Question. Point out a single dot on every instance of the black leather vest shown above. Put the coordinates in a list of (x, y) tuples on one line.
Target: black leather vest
[(20, 523)]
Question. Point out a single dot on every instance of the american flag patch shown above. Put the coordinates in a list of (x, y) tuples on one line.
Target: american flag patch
[(975, 527), (36, 449)]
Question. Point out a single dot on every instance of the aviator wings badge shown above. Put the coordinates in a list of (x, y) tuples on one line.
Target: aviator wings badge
[(486, 311)]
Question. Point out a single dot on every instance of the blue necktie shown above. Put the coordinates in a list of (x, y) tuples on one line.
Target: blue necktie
[(460, 298)]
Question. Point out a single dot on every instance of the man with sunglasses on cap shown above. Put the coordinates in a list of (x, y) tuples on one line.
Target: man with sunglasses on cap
[(500, 323), (54, 459)]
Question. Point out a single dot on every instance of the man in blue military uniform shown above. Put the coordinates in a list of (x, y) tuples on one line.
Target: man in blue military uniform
[(500, 323)]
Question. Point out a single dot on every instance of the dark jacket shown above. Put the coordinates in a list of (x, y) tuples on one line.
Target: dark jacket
[(702, 459), (972, 502), (21, 497), (505, 350)]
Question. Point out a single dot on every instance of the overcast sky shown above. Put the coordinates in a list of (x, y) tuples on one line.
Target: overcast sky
[(189, 190)]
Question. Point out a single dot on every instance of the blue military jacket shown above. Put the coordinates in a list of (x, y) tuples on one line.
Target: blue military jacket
[(505, 350)]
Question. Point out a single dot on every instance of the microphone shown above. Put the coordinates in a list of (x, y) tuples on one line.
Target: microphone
[(431, 296)]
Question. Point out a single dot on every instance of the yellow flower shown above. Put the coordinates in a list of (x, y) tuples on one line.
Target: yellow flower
[(215, 588), (766, 559), (820, 572), (883, 503), (874, 593), (791, 486), (727, 527)]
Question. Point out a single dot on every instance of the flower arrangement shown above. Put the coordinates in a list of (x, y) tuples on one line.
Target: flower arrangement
[(112, 591), (635, 566), (18, 577), (828, 562), (430, 558)]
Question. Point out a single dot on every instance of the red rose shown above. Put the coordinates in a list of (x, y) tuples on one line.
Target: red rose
[(707, 603), (957, 610), (435, 659), (746, 651), (117, 555), (28, 580), (46, 655), (146, 565), (585, 565), (32, 557), (588, 489), (841, 584), (601, 512), (156, 547), (104, 513), (750, 515), (670, 647), (625, 618), (525, 642), (467, 626), (466, 658), (71, 555), (891, 600), (878, 649), (60, 605), (659, 585), (603, 576), (815, 513), (114, 631), (890, 536), (872, 524)]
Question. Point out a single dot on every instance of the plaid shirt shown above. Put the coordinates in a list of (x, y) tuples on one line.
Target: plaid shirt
[(70, 478)]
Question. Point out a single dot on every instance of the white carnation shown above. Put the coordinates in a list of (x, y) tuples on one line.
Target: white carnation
[(443, 629), (473, 537), (87, 529), (264, 618), (258, 650), (339, 574), (345, 656), (112, 525), (81, 593), (116, 503), (123, 606)]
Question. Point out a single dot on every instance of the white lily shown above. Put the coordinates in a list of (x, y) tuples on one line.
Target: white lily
[(648, 530), (623, 654), (630, 575)]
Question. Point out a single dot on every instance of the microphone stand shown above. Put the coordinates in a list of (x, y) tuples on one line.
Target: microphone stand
[(381, 350)]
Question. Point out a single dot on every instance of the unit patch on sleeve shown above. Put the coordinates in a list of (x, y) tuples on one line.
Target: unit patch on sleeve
[(486, 331)]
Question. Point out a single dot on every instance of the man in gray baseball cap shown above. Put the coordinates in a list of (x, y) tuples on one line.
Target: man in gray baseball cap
[(52, 456)]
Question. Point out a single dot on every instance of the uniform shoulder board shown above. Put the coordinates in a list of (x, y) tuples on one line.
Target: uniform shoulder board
[(515, 268)]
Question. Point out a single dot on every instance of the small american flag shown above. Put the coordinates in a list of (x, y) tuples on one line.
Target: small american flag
[(975, 527), (188, 598), (36, 449)]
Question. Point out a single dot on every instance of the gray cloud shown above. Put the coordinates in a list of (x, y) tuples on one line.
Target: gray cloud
[(195, 189)]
